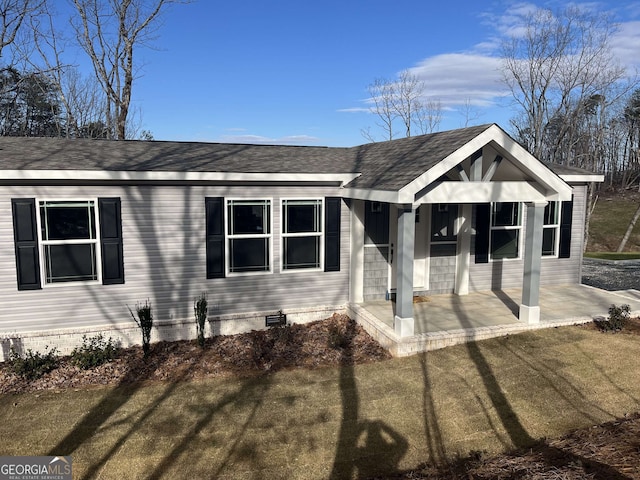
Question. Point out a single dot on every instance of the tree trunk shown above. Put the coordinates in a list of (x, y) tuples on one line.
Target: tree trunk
[(627, 234)]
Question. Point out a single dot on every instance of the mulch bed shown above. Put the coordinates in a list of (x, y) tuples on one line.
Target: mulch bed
[(335, 341), (607, 451)]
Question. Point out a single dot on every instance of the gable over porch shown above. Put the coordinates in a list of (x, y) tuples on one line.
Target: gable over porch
[(499, 195)]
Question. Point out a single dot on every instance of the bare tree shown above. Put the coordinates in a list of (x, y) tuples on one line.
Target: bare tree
[(12, 16), (402, 100), (110, 31), (382, 93), (553, 68)]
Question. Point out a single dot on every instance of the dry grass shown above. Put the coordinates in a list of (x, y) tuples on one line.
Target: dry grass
[(610, 220), (339, 422)]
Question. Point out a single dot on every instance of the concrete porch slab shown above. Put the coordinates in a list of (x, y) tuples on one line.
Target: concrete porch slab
[(444, 320)]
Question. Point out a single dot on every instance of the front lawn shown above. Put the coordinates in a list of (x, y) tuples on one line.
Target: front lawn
[(336, 422)]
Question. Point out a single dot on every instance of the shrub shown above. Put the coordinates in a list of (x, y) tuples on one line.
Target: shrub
[(145, 323), (200, 310), (32, 364), (618, 316), (94, 351)]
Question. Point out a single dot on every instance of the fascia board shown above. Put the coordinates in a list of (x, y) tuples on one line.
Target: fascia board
[(448, 163), (159, 176), (487, 192), (515, 153), (530, 164), (387, 196), (582, 178)]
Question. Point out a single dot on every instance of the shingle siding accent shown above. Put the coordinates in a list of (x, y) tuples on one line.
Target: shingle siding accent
[(442, 270), (163, 230), (376, 272)]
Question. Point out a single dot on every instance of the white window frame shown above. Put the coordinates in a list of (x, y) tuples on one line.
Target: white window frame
[(229, 236), (517, 227), (320, 234), (553, 226), (40, 202)]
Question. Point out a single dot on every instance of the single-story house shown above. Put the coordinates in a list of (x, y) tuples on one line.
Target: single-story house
[(89, 228)]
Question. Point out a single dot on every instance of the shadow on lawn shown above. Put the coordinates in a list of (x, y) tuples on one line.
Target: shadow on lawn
[(116, 398), (365, 448), (512, 425)]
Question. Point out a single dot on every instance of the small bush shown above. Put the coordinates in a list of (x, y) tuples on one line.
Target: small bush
[(200, 310), (32, 364), (618, 316), (94, 351), (145, 323)]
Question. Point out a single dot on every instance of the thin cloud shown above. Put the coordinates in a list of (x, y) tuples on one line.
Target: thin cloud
[(462, 78)]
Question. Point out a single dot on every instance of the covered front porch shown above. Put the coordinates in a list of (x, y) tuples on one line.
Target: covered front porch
[(444, 320)]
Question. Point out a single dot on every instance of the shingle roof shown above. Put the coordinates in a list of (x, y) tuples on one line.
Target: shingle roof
[(384, 166)]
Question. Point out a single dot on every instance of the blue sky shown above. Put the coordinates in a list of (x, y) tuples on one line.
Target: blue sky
[(296, 72)]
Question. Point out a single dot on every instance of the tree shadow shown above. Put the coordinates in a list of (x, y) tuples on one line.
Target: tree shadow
[(365, 447), (508, 417), (433, 434)]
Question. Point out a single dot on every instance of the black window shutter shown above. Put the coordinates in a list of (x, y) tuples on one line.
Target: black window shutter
[(25, 235), (566, 220), (214, 211), (111, 241), (483, 217), (332, 234)]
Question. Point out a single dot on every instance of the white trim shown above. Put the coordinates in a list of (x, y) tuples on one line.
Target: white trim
[(570, 178), (485, 192), (92, 241), (385, 196), (508, 149), (320, 234), (108, 175), (228, 236)]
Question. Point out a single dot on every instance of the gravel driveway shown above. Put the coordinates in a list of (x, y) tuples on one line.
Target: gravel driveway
[(611, 275)]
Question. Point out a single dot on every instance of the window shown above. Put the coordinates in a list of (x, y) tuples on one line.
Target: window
[(249, 235), (506, 224), (443, 223), (551, 230), (301, 234), (69, 241)]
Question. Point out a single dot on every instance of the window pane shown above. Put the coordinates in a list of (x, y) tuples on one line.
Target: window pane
[(301, 252), (67, 221), (549, 241), (506, 214), (247, 218), (249, 254), (302, 216), (504, 244), (551, 213), (69, 263), (443, 219)]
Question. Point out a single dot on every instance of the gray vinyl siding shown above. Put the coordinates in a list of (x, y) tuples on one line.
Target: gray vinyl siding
[(163, 230), (497, 275)]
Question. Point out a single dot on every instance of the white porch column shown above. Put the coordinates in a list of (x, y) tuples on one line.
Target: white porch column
[(403, 321), (530, 307), (356, 283), (463, 260)]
